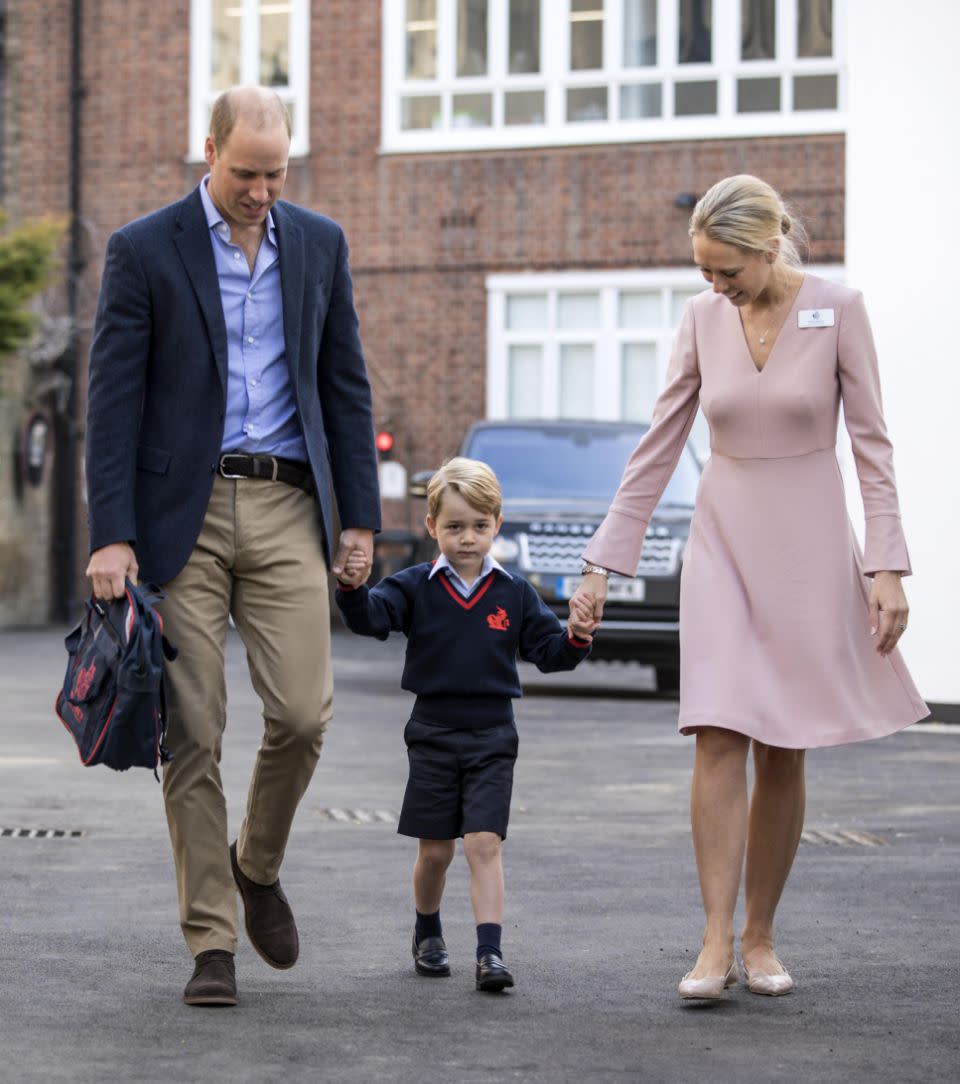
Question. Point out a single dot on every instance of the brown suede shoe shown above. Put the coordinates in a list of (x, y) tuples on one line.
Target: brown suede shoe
[(268, 918), (213, 981)]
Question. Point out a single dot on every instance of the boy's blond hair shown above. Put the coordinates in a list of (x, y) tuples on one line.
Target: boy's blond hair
[(473, 480)]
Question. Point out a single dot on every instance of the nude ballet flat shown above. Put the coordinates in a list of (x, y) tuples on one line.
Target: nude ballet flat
[(761, 982), (710, 988)]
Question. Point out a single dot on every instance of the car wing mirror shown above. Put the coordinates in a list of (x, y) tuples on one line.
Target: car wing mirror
[(417, 486)]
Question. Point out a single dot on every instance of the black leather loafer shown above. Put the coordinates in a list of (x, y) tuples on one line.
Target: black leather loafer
[(213, 981), (492, 974), (430, 957)]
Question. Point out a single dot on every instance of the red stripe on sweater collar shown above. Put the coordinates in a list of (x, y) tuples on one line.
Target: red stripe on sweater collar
[(467, 603)]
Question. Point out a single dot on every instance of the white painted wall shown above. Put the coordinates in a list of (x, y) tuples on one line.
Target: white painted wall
[(903, 251)]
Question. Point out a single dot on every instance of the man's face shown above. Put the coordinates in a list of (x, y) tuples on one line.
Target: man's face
[(247, 173)]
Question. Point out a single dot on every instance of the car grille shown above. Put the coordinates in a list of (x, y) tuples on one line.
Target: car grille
[(548, 552)]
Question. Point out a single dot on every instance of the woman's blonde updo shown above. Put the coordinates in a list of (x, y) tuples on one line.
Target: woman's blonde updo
[(747, 213)]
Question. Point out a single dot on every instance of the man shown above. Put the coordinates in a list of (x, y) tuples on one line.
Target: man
[(227, 385)]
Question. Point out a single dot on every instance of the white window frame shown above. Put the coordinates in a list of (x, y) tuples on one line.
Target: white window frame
[(608, 339), (556, 78), (202, 96)]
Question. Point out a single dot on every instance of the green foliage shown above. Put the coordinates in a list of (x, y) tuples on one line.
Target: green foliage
[(28, 257)]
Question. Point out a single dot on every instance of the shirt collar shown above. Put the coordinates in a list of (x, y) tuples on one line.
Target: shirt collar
[(488, 566), (216, 221)]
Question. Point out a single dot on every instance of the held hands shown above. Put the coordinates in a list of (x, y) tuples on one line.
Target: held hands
[(354, 557), (888, 610), (586, 605), (109, 566), (581, 624)]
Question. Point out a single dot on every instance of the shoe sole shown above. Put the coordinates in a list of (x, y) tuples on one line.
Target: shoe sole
[(213, 1002), (493, 986), (430, 972)]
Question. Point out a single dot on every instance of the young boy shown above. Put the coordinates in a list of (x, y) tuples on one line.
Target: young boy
[(466, 619)]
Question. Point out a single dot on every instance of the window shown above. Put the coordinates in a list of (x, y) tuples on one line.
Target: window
[(249, 41), (498, 73), (588, 344)]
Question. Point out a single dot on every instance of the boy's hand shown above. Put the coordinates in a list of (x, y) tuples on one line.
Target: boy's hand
[(582, 623), (355, 570)]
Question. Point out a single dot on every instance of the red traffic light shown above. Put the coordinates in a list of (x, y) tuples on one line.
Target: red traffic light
[(384, 441)]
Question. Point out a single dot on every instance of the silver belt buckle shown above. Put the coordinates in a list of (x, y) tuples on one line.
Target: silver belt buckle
[(221, 470)]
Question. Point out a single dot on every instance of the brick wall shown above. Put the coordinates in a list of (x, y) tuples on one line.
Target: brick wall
[(424, 230)]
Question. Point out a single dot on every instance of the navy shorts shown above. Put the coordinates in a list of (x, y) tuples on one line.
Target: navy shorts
[(460, 780)]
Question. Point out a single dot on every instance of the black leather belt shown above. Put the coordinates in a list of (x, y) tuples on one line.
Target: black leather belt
[(269, 467)]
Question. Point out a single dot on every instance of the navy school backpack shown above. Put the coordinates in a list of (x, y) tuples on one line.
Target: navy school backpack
[(112, 697)]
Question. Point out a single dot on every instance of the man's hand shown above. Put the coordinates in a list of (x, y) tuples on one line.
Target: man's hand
[(356, 546), (108, 568)]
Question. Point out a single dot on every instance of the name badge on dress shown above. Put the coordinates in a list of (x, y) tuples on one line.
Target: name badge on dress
[(815, 318)]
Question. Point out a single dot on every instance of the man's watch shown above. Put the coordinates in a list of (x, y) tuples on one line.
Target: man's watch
[(594, 568)]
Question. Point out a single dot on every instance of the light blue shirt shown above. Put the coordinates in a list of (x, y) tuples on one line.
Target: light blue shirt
[(489, 564), (261, 408)]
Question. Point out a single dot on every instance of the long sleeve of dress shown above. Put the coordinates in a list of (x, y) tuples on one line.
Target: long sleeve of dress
[(885, 547), (618, 542)]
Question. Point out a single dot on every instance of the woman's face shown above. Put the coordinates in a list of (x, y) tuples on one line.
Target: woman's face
[(740, 276)]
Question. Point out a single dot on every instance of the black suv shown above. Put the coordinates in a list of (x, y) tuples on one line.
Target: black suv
[(558, 479)]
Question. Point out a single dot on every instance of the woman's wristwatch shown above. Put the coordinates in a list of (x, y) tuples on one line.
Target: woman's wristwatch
[(594, 568)]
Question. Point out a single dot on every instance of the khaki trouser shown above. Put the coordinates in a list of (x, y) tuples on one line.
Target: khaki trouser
[(259, 557)]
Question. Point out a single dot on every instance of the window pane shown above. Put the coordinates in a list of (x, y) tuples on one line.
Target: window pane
[(472, 37), (695, 45), (586, 103), (640, 308), (814, 28), (523, 107), (524, 380), (695, 99), (225, 47), (421, 39), (758, 95), (526, 311), (644, 100), (524, 36), (576, 380), (815, 92), (639, 33), (421, 113), (678, 303), (472, 110), (758, 30), (578, 310), (274, 44), (586, 34), (638, 381)]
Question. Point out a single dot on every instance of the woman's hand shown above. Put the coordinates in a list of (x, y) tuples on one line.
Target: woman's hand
[(588, 599), (888, 610)]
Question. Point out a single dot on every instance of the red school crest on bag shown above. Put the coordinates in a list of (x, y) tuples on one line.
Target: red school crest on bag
[(499, 620)]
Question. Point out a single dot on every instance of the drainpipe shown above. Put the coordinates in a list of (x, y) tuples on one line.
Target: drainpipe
[(66, 429)]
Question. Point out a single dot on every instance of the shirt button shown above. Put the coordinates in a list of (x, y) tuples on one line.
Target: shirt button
[(249, 338), (236, 255)]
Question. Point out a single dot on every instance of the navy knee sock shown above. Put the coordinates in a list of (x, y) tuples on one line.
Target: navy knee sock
[(428, 926), (488, 939)]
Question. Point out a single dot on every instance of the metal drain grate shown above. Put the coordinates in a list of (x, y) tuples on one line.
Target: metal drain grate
[(42, 833), (358, 816), (841, 837)]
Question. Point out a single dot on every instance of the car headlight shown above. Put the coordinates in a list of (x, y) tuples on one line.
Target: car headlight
[(505, 549)]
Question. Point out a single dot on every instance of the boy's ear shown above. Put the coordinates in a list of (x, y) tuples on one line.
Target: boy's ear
[(431, 524), (496, 529)]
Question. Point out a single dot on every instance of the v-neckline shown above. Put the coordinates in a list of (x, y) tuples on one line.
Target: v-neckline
[(759, 369)]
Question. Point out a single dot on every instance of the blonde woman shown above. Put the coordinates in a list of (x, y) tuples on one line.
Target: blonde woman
[(788, 633)]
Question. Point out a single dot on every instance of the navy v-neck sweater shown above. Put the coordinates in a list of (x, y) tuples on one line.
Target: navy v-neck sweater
[(462, 652)]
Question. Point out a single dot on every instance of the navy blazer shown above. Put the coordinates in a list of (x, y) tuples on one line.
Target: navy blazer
[(158, 380)]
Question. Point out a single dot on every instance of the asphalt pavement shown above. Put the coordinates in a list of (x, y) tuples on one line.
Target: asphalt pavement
[(603, 912)]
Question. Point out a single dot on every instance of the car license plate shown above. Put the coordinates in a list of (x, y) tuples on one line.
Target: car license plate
[(619, 588)]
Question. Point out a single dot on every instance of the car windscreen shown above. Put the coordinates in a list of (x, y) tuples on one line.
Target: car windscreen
[(575, 463)]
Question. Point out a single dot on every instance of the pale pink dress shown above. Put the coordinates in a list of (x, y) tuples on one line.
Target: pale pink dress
[(774, 627)]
